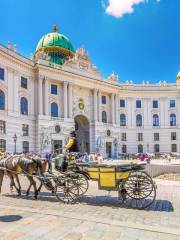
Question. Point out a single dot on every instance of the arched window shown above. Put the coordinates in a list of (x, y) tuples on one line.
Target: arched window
[(122, 119), (104, 117), (173, 119), (140, 148), (139, 120), (24, 106), (2, 100), (54, 110), (156, 148), (155, 120)]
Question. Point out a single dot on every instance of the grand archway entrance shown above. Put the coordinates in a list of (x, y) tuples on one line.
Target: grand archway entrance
[(82, 133)]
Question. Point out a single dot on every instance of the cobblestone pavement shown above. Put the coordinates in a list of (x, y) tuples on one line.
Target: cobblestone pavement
[(97, 216)]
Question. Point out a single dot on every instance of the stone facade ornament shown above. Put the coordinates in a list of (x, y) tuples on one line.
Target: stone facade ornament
[(81, 104), (113, 77), (108, 133), (100, 142), (82, 61), (57, 128)]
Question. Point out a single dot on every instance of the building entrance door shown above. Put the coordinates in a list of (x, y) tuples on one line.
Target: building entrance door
[(57, 146), (109, 149), (82, 133)]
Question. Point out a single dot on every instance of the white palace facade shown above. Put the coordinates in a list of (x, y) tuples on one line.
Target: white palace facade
[(57, 90)]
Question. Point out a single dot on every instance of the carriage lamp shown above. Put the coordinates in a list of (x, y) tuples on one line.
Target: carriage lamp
[(15, 140)]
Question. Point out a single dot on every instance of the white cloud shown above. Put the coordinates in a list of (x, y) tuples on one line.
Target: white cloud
[(118, 8)]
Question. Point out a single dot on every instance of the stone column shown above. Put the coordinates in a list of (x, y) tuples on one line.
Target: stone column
[(65, 99), (46, 97), (70, 99), (129, 105), (31, 100), (117, 108), (95, 104), (40, 103), (112, 108), (99, 106), (162, 112), (9, 100), (16, 89)]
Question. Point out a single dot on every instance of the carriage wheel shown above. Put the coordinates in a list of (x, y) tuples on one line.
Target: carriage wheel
[(137, 191), (66, 189), (81, 183)]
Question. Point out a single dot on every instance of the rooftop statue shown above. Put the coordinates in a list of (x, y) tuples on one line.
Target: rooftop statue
[(113, 77)]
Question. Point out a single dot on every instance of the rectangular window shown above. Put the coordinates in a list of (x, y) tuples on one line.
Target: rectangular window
[(103, 99), (172, 103), (140, 137), (123, 137), (24, 82), (2, 127), (156, 148), (53, 89), (25, 130), (1, 74), (173, 147), (155, 104), (138, 103), (124, 149), (25, 147), (122, 103), (156, 136), (173, 136), (2, 145)]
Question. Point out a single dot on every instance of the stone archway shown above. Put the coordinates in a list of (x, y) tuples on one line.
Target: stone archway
[(82, 133)]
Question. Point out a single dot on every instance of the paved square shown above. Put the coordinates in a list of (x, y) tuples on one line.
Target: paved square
[(97, 216)]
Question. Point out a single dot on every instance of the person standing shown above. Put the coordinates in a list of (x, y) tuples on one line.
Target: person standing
[(49, 158)]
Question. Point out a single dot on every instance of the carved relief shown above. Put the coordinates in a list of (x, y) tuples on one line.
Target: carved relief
[(81, 60)]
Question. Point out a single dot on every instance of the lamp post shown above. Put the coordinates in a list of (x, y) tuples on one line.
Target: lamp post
[(15, 140)]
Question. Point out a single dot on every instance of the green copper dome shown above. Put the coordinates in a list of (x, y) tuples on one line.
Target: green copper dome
[(56, 45), (178, 75)]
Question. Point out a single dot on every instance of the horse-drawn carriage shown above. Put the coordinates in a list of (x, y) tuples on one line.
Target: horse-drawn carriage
[(69, 182), (135, 187)]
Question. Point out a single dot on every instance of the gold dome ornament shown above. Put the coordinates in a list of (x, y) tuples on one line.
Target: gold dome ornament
[(81, 104)]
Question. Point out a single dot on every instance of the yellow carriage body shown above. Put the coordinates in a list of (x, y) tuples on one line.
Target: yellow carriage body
[(107, 177)]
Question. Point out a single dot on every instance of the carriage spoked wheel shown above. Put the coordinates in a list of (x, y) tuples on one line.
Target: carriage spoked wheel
[(81, 183), (137, 191), (66, 190)]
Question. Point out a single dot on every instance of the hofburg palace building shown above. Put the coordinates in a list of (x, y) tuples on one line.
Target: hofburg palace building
[(58, 90)]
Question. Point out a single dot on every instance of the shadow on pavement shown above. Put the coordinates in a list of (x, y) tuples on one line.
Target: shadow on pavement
[(109, 201), (104, 200), (10, 218), (44, 196)]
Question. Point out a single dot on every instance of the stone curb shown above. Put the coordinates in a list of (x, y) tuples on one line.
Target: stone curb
[(137, 226)]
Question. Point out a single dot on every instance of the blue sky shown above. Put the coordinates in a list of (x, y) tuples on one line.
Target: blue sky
[(143, 44)]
